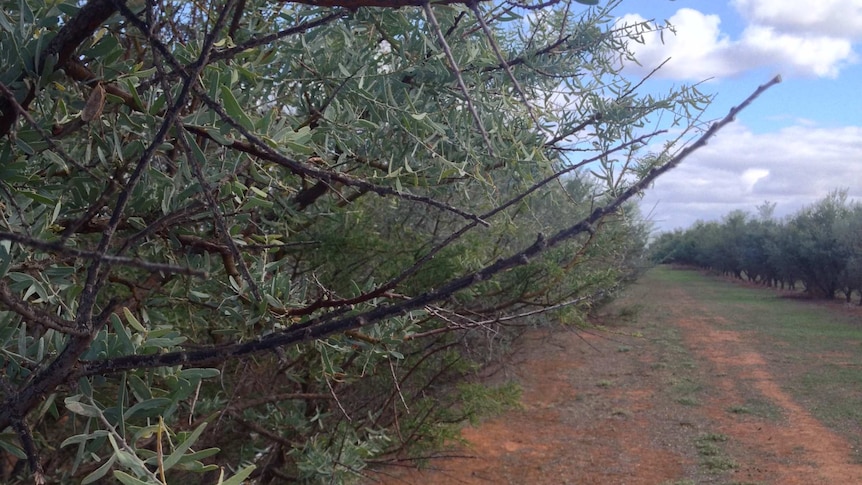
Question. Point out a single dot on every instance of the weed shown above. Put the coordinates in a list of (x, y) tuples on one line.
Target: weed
[(621, 413), (714, 437), (604, 384), (718, 463), (709, 447), (757, 407), (685, 386), (629, 313)]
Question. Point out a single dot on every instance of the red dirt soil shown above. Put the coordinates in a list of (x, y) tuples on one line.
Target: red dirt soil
[(597, 408)]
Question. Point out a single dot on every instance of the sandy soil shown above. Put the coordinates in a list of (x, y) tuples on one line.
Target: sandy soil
[(601, 407)]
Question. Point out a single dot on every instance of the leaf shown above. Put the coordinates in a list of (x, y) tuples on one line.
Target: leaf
[(95, 104), (5, 257), (37, 197), (83, 438), (139, 388), (367, 124), (234, 110), (10, 447), (175, 457), (199, 455), (99, 472), (133, 322), (80, 408), (127, 479), (122, 334), (192, 374), (158, 404), (130, 86), (239, 477)]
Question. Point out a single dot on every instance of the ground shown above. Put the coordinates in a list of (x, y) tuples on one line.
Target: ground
[(665, 389)]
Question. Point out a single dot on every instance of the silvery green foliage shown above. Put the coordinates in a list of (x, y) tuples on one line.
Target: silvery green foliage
[(249, 239)]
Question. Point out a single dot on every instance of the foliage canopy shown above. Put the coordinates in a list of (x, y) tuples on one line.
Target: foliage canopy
[(250, 239), (819, 246)]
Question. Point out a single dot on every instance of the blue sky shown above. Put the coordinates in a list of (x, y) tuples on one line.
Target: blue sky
[(799, 141)]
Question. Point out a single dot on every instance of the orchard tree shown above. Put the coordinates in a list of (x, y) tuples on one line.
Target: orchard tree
[(250, 239), (818, 246)]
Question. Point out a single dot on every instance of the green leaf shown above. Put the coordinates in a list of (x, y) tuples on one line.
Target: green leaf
[(5, 257), (10, 447), (239, 477), (99, 472), (199, 455), (139, 388), (127, 479), (192, 374), (37, 197), (80, 408), (234, 110), (133, 321), (83, 438), (158, 403), (175, 457)]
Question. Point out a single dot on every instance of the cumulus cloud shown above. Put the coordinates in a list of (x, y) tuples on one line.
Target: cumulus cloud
[(700, 50), (697, 49), (818, 55), (833, 18), (739, 169)]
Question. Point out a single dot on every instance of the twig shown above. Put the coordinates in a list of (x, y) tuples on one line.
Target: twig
[(315, 329), (215, 211), (98, 256), (36, 315), (456, 71), (496, 48)]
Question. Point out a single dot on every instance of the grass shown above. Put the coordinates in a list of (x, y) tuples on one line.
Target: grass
[(710, 447), (761, 408), (813, 349)]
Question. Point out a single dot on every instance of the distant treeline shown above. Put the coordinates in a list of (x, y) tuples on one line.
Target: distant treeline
[(820, 247)]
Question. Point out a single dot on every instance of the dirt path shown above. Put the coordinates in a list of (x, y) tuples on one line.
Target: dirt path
[(685, 403)]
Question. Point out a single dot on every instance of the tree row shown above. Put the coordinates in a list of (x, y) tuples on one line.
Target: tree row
[(819, 247)]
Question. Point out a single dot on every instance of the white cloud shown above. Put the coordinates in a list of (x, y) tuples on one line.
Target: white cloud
[(700, 50), (697, 49), (834, 18), (792, 167), (751, 176), (822, 56)]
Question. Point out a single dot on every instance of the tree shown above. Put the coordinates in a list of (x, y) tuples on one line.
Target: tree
[(817, 246), (253, 235), (816, 251)]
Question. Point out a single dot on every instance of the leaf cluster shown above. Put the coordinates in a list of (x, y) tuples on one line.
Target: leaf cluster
[(253, 240)]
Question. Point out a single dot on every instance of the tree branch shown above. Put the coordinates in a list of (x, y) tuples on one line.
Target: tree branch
[(314, 329)]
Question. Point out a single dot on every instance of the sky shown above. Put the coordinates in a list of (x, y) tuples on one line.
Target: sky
[(798, 142)]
